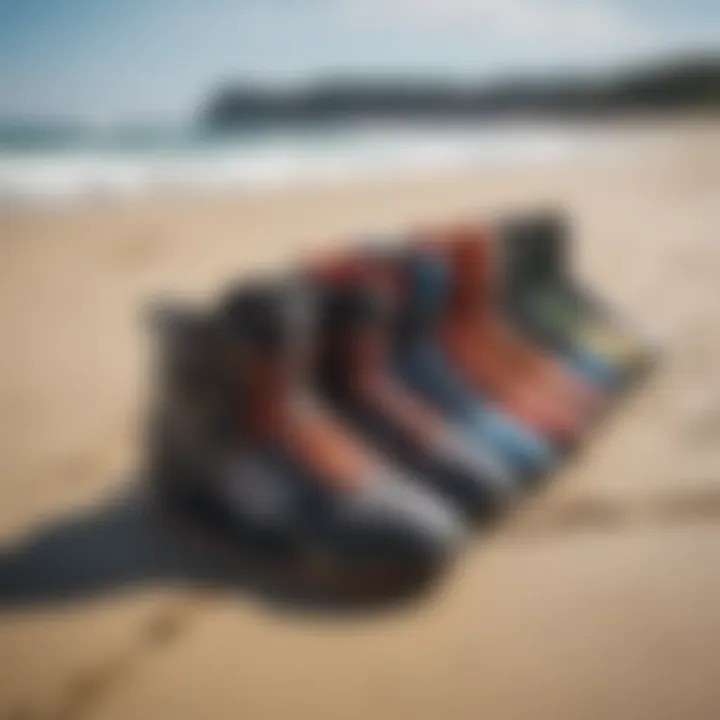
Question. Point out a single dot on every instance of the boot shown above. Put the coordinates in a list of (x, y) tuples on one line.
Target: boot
[(424, 367), (279, 470), (523, 380), (546, 301), (354, 373)]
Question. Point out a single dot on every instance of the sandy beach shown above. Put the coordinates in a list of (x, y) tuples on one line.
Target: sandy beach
[(599, 600)]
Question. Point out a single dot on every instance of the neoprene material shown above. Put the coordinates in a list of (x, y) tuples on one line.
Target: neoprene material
[(383, 513), (354, 372), (285, 473), (545, 300), (423, 366), (524, 382)]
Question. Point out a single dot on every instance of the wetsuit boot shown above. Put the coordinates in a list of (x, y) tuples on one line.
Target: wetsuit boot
[(354, 372), (422, 364), (244, 449), (546, 301), (338, 495), (517, 377), (477, 351)]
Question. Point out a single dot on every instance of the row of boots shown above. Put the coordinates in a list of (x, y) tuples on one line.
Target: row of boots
[(367, 408)]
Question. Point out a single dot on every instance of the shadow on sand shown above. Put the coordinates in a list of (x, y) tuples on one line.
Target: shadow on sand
[(125, 544)]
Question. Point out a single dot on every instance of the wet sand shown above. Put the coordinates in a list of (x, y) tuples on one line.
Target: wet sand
[(599, 600)]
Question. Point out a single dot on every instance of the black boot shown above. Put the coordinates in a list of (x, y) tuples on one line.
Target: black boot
[(354, 372), (269, 464)]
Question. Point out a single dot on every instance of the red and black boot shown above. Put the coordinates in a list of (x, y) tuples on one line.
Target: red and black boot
[(278, 469), (521, 378), (354, 371)]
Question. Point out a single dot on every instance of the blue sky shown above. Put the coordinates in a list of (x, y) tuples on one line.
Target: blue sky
[(110, 60)]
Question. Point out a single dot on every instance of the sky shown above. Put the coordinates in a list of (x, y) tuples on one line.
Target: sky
[(119, 60)]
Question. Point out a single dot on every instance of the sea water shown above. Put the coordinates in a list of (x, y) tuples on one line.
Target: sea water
[(61, 164)]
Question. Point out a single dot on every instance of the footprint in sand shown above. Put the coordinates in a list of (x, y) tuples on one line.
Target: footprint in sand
[(168, 625), (88, 687)]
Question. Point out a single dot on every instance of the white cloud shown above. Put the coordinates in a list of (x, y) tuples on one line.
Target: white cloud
[(576, 21), (560, 27)]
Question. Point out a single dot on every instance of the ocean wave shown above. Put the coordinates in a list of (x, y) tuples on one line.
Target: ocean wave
[(62, 175)]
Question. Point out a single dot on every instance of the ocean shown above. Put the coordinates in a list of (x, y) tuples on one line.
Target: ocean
[(54, 164)]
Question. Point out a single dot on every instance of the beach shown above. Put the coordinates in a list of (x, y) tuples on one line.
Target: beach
[(598, 599)]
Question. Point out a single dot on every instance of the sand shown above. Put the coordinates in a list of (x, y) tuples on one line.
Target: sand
[(599, 600)]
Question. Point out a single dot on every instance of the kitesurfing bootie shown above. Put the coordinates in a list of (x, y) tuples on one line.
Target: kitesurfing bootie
[(336, 495), (200, 464), (354, 371), (422, 365), (519, 379), (542, 295)]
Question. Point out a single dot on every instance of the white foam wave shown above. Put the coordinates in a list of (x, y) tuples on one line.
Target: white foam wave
[(63, 176)]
